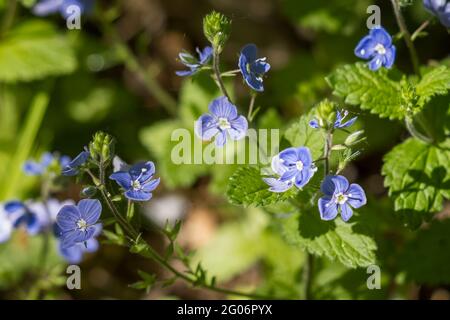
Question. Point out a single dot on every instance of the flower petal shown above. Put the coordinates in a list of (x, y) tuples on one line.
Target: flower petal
[(356, 196), (289, 156), (376, 62), (340, 183), (72, 254), (277, 185), (304, 155), (142, 170), (223, 108), (365, 48), (122, 178), (90, 210), (348, 123), (151, 185), (206, 127), (327, 208), (381, 36), (238, 128), (221, 139), (138, 195), (67, 217), (327, 187), (389, 57), (346, 212), (250, 52)]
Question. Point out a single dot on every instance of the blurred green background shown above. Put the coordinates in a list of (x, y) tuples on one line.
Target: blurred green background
[(117, 74)]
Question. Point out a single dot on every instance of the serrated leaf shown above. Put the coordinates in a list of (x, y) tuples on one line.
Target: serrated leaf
[(434, 82), (34, 50), (247, 188), (373, 91), (301, 134), (335, 240), (418, 178)]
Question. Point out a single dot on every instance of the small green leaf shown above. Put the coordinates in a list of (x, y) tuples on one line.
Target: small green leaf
[(418, 179), (34, 50), (434, 82), (373, 91), (247, 188), (301, 134), (335, 240)]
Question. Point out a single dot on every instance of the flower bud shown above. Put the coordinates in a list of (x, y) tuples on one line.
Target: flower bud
[(101, 147), (325, 112), (355, 138), (88, 191), (217, 29)]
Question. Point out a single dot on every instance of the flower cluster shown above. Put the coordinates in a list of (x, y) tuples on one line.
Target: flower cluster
[(338, 123)]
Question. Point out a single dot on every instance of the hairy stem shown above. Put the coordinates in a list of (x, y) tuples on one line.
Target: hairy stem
[(419, 30), (250, 107), (216, 69), (406, 35)]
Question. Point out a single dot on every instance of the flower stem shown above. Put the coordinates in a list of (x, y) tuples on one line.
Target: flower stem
[(133, 234), (216, 69), (419, 30), (251, 106), (407, 36), (9, 16), (133, 65)]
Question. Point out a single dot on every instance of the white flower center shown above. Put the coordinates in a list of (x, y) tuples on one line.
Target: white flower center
[(224, 123), (299, 165), (380, 49), (136, 185), (341, 198), (82, 225)]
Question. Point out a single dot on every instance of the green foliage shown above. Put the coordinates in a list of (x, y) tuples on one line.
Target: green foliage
[(335, 240), (247, 188), (34, 50), (418, 179), (425, 258), (373, 91), (435, 82)]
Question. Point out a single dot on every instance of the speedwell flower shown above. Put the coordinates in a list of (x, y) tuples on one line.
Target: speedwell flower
[(74, 254), (223, 119), (47, 7), (37, 168), (77, 223), (252, 67), (72, 168), (439, 8), (378, 48), (294, 166), (194, 64), (21, 215), (340, 116), (339, 196), (137, 181)]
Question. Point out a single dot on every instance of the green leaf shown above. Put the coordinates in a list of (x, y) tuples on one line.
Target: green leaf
[(301, 134), (34, 50), (373, 91), (434, 82), (247, 188), (425, 259), (418, 179), (335, 240)]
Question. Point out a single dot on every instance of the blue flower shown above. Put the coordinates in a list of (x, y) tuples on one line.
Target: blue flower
[(253, 68), (72, 168), (34, 168), (193, 63), (47, 7), (5, 226), (20, 215), (339, 196), (222, 119), (74, 254), (77, 223), (137, 181), (294, 166), (378, 47), (439, 8), (340, 116)]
